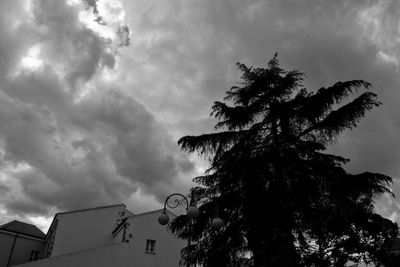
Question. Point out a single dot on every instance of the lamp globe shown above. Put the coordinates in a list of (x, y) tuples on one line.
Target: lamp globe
[(217, 223), (163, 219)]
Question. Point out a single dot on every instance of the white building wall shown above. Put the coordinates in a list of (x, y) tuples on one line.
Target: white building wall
[(145, 226), (85, 229), (117, 254), (107, 256)]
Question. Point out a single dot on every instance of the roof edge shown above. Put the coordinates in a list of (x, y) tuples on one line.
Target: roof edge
[(43, 239), (153, 211), (87, 209)]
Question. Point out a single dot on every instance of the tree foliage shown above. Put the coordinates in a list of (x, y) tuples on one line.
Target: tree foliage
[(284, 200)]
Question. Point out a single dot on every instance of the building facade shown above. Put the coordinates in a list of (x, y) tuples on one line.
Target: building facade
[(84, 229), (20, 242), (109, 236)]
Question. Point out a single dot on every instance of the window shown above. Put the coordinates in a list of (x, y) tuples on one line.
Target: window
[(34, 255), (150, 246)]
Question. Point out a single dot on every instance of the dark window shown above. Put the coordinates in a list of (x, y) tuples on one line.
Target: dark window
[(34, 255), (150, 246)]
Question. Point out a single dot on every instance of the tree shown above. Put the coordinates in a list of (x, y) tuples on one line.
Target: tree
[(284, 200), (389, 254)]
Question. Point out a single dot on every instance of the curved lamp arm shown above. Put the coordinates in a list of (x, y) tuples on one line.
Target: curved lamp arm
[(176, 201), (192, 212)]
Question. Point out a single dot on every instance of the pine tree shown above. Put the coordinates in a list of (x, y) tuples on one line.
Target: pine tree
[(284, 200)]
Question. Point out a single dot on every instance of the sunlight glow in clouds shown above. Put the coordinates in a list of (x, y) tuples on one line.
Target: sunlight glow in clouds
[(383, 30), (89, 19), (107, 25), (32, 60), (41, 222), (388, 58)]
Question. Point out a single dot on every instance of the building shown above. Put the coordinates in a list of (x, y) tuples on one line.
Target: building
[(109, 236), (20, 242), (84, 229)]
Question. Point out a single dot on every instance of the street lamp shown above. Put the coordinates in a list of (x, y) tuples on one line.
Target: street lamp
[(192, 212), (217, 223)]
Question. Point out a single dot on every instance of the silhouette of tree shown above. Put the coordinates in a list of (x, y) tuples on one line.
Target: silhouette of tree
[(283, 199), (389, 253)]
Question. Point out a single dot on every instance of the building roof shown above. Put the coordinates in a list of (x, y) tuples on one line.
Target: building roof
[(89, 209), (23, 228), (153, 211)]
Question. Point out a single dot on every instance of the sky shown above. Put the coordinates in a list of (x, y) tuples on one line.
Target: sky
[(94, 94)]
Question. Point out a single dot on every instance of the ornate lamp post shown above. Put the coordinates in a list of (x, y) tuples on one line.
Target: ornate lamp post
[(192, 212)]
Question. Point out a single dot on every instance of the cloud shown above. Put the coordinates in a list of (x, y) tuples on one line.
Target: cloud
[(184, 54), (86, 119), (69, 135)]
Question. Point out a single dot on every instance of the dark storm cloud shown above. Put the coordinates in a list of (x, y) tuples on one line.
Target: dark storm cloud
[(70, 138), (191, 48), (90, 125)]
